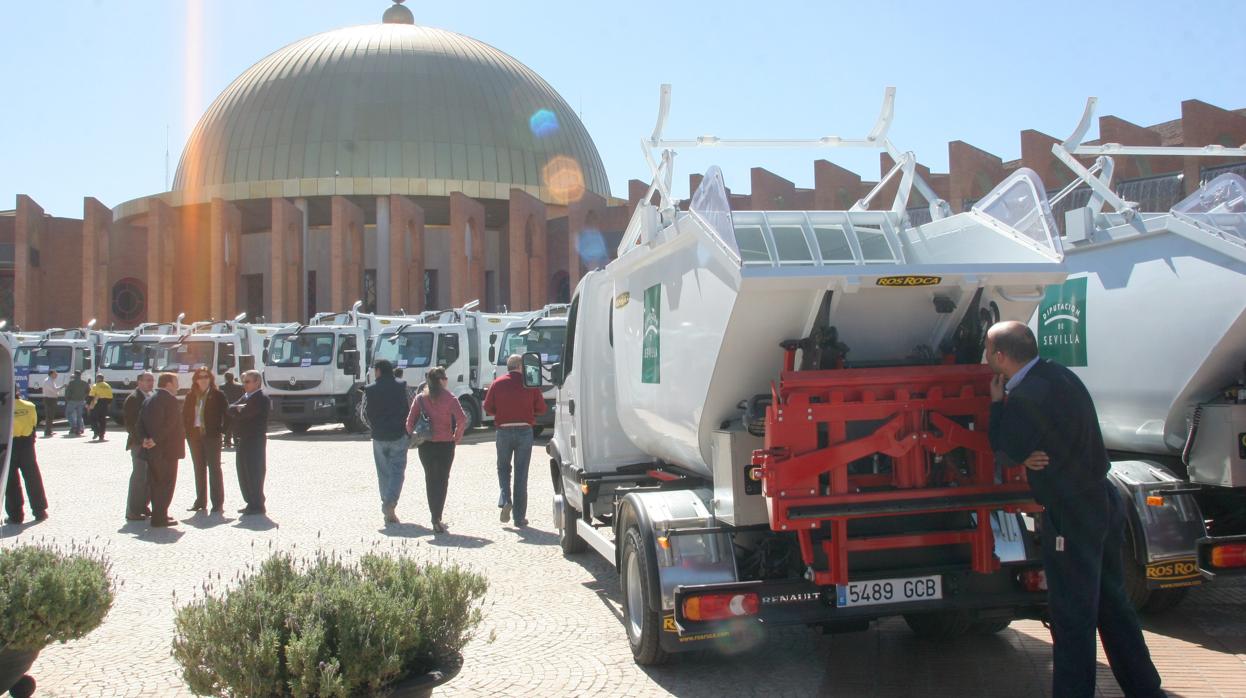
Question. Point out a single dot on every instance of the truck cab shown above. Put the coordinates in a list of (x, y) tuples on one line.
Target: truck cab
[(8, 393), (414, 348), (60, 350), (184, 353), (314, 374), (545, 336), (123, 357)]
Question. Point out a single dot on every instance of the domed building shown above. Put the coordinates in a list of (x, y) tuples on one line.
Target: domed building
[(407, 166)]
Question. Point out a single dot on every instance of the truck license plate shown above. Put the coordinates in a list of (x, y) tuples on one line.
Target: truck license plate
[(880, 591)]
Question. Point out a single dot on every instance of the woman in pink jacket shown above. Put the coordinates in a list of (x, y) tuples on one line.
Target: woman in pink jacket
[(448, 422)]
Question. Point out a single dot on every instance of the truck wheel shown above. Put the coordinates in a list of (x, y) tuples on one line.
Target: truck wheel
[(568, 538), (938, 625), (298, 428), (643, 624), (1144, 600), (472, 411), (355, 423)]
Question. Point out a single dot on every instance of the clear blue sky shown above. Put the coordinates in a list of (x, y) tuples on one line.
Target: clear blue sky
[(92, 86)]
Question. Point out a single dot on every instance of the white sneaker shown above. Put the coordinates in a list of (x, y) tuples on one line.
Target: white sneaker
[(506, 513)]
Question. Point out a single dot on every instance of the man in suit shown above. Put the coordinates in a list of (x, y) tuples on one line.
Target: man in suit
[(139, 496), (250, 418), (1043, 416), (164, 441)]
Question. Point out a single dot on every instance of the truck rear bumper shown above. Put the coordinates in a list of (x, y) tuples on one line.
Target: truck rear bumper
[(309, 409), (798, 602), (1222, 555)]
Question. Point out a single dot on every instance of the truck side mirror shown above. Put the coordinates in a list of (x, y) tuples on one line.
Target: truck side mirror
[(351, 359), (532, 369), (555, 374), (246, 362), (265, 356), (493, 352)]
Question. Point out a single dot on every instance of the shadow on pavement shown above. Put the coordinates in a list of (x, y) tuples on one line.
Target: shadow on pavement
[(405, 530), (16, 529), (259, 522), (159, 536), (533, 536), (202, 520), (452, 540)]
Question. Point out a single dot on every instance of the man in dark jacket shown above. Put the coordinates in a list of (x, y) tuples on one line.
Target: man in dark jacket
[(164, 439), (385, 406), (514, 408), (233, 393), (139, 495), (250, 418), (1043, 416)]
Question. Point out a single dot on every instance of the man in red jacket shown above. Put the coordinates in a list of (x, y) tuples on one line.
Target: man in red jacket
[(514, 408)]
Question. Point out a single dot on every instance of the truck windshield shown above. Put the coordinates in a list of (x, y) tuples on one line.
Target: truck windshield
[(546, 341), (183, 357), (406, 349), (303, 349), (44, 359), (125, 356)]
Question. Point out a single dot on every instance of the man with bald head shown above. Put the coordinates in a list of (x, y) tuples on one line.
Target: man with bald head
[(1043, 416)]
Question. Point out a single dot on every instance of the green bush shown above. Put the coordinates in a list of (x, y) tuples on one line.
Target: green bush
[(326, 628), (51, 594)]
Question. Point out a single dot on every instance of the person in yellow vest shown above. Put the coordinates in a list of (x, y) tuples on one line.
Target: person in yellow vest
[(24, 466), (101, 398)]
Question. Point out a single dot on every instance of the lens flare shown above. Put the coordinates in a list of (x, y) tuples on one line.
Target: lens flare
[(563, 178), (543, 123), (591, 246)]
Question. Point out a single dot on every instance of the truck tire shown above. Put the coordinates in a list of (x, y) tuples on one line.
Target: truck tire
[(939, 625), (355, 422), (568, 538), (472, 410), (298, 428), (643, 624), (1144, 600)]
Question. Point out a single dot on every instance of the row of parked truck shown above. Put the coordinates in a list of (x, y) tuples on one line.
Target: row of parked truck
[(314, 372)]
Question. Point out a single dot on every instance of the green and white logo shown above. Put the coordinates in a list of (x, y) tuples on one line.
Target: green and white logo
[(651, 341), (1062, 323)]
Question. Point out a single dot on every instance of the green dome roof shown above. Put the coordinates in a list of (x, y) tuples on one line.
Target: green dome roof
[(389, 101)]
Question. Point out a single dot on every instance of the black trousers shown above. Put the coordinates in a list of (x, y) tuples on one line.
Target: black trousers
[(251, 461), (99, 417), (205, 453), (436, 457), (1086, 593), (162, 480), (24, 467), (49, 414)]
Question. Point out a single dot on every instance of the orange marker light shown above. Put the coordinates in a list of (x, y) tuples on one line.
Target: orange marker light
[(1229, 555), (1155, 500)]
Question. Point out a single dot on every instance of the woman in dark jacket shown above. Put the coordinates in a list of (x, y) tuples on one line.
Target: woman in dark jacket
[(203, 415)]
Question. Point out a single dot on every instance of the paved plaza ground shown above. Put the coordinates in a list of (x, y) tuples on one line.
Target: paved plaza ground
[(551, 625)]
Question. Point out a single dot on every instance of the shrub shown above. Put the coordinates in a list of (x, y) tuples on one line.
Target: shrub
[(51, 594), (326, 628)]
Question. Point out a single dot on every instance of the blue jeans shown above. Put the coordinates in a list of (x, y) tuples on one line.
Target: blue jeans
[(391, 467), (517, 442), (74, 413)]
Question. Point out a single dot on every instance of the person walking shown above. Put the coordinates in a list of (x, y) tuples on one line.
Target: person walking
[(514, 408), (1042, 416), (233, 392), (51, 393), (250, 417), (138, 497), (101, 398), (76, 392), (448, 421), (385, 406), (164, 440), (23, 466), (203, 417)]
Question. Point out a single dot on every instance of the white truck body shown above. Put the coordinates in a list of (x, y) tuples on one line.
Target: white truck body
[(313, 374), (543, 334), (60, 350), (8, 394)]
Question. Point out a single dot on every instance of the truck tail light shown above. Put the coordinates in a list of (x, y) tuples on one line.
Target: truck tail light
[(1034, 580), (706, 607), (1229, 555)]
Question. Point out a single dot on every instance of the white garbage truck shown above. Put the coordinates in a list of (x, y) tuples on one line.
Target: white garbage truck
[(544, 333), (780, 417), (124, 356), (1153, 320), (220, 346), (56, 349), (8, 393)]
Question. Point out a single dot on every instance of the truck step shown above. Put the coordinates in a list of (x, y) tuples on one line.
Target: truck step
[(603, 545)]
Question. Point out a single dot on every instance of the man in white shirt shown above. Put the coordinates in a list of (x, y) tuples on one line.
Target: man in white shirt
[(51, 393)]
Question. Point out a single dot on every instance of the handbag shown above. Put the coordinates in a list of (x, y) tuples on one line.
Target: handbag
[(423, 430)]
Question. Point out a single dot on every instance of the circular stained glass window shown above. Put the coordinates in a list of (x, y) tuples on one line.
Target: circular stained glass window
[(129, 299)]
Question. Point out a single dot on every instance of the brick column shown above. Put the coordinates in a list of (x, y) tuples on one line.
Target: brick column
[(224, 271), (528, 251), (346, 254), (96, 226), (406, 254), (467, 267), (285, 263), (160, 232), (31, 227), (582, 215)]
